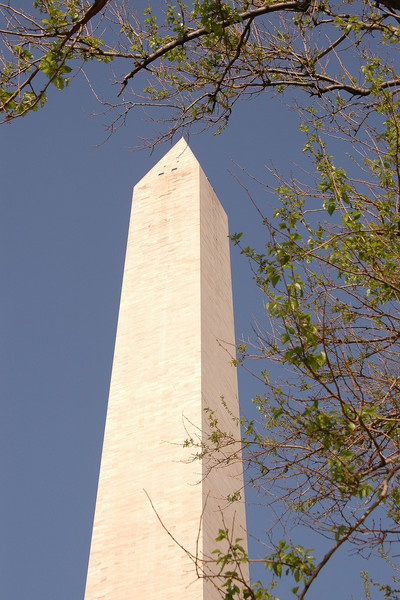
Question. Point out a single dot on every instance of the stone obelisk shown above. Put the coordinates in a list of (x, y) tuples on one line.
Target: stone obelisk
[(157, 511)]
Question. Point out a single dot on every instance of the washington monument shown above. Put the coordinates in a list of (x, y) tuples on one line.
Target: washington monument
[(158, 512)]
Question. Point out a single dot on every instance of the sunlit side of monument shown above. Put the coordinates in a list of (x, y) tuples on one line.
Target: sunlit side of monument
[(157, 511)]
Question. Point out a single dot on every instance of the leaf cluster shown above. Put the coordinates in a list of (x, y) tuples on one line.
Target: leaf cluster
[(198, 60)]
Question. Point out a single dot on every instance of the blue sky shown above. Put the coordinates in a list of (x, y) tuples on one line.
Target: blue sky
[(64, 206)]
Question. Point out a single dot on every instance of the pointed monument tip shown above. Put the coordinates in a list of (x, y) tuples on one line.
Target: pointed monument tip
[(179, 147), (181, 142), (180, 152)]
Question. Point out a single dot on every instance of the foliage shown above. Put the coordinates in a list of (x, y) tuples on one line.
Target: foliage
[(324, 451), (196, 61)]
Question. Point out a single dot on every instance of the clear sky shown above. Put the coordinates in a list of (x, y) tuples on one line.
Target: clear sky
[(64, 205)]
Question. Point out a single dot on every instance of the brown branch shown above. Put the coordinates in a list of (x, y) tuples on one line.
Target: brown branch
[(201, 31), (242, 41), (94, 9), (381, 497)]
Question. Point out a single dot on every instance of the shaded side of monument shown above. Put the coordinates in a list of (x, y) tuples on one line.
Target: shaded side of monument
[(158, 512)]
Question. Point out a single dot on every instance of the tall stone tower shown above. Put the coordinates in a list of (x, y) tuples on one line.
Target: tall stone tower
[(157, 511)]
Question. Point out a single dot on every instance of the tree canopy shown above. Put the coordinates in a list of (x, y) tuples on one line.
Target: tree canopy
[(196, 61)]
